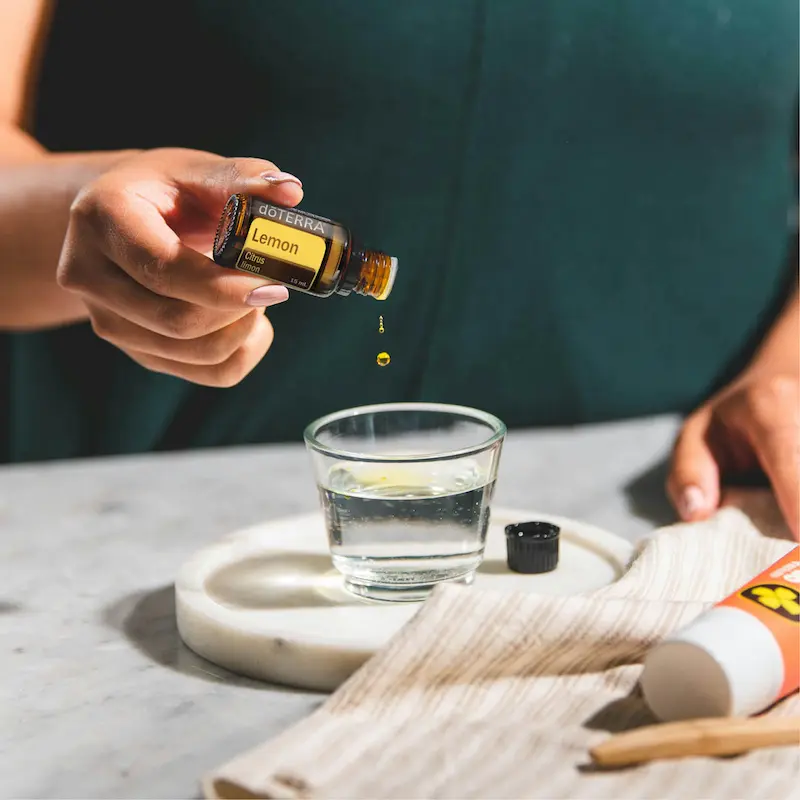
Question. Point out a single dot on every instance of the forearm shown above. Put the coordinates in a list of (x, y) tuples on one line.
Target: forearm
[(36, 191), (780, 349)]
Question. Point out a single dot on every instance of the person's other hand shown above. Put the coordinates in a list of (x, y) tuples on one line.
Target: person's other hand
[(753, 424), (137, 250)]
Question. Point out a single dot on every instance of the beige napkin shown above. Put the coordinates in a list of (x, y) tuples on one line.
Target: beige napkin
[(491, 695)]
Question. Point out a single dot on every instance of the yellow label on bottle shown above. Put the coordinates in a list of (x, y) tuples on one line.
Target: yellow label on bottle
[(285, 244)]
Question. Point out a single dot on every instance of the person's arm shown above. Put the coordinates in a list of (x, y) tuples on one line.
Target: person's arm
[(752, 423), (36, 192), (780, 349), (36, 187), (122, 239)]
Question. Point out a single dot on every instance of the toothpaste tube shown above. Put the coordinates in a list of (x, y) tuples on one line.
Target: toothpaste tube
[(736, 659)]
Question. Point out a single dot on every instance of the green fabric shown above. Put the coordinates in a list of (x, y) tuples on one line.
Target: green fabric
[(589, 201)]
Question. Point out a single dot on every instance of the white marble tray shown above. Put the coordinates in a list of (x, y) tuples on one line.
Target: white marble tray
[(265, 601)]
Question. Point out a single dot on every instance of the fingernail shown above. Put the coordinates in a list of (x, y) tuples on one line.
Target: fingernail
[(280, 177), (692, 501), (267, 296)]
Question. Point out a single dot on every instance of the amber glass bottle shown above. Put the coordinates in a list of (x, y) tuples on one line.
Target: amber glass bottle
[(301, 250)]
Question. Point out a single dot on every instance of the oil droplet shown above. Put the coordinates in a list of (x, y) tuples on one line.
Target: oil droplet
[(380, 324), (384, 359)]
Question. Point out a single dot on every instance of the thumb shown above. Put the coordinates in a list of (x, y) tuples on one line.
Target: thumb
[(211, 181), (693, 483)]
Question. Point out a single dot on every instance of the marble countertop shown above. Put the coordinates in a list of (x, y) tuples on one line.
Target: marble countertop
[(98, 696)]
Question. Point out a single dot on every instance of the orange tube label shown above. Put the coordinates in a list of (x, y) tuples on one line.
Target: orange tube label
[(773, 597)]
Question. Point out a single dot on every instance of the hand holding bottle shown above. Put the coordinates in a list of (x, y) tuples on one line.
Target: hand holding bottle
[(137, 251)]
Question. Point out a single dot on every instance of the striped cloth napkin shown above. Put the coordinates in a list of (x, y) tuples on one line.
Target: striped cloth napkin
[(491, 695)]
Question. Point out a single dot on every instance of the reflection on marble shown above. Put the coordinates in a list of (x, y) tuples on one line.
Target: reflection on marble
[(99, 698), (286, 580)]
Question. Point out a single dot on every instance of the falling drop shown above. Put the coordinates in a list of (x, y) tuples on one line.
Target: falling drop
[(383, 359), (380, 324)]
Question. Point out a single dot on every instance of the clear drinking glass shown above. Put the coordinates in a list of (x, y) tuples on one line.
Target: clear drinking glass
[(406, 489)]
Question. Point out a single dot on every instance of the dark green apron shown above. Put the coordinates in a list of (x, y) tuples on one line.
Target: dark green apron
[(590, 203)]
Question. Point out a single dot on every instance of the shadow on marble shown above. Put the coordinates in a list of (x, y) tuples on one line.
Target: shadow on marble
[(9, 607), (147, 620), (647, 497)]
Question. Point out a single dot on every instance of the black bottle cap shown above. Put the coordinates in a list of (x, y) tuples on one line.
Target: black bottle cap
[(532, 547)]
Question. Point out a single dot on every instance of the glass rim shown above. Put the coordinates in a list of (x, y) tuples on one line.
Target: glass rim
[(498, 427)]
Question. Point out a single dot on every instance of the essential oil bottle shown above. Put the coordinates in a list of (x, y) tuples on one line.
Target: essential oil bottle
[(312, 254)]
